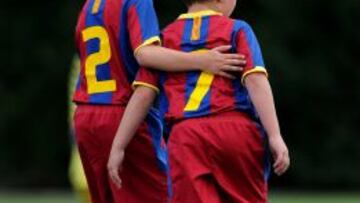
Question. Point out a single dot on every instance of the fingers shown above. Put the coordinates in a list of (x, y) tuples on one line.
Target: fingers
[(281, 169), (282, 163), (226, 75), (235, 62), (277, 159), (222, 48), (286, 164), (114, 166), (234, 56), (277, 164), (114, 175), (225, 48), (231, 68)]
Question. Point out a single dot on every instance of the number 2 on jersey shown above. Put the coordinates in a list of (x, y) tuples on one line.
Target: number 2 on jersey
[(98, 58)]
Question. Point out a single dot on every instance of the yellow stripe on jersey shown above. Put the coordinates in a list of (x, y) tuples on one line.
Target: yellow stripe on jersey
[(138, 83), (257, 69), (96, 7), (196, 29), (151, 40), (199, 14), (202, 88)]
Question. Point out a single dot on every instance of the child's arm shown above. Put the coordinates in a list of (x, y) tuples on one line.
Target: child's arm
[(213, 61), (135, 113), (260, 92), (143, 32)]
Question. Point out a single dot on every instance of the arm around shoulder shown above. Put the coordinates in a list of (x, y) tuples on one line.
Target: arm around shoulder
[(213, 61)]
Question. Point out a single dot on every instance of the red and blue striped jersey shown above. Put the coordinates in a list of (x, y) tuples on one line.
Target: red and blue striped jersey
[(194, 94), (108, 34)]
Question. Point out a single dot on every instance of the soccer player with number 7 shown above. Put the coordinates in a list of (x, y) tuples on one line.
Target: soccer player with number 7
[(113, 37), (222, 131)]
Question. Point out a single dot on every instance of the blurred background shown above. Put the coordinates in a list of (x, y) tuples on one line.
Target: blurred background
[(311, 51)]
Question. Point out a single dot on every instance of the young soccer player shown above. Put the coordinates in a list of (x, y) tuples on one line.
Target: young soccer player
[(112, 36), (220, 128)]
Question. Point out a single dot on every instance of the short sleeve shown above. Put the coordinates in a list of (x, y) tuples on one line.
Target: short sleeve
[(247, 44), (147, 77), (142, 24)]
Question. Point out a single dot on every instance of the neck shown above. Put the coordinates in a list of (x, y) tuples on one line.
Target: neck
[(203, 6)]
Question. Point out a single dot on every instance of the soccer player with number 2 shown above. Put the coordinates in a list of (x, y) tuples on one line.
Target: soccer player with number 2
[(221, 128), (113, 37)]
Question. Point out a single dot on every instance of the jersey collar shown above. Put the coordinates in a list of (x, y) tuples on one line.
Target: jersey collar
[(200, 14)]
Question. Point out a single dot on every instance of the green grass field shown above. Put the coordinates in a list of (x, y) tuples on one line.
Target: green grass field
[(275, 198)]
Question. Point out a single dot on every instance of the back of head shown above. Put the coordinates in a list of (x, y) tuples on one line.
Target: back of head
[(191, 2)]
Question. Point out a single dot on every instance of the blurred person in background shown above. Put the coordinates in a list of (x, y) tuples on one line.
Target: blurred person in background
[(76, 171)]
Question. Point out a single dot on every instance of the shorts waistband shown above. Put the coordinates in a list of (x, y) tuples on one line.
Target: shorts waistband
[(82, 108), (228, 115)]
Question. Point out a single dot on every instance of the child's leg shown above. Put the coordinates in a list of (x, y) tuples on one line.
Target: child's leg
[(143, 179), (92, 147), (239, 158), (191, 175), (229, 149)]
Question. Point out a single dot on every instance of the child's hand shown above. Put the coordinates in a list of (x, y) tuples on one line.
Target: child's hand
[(114, 165), (218, 62), (280, 154)]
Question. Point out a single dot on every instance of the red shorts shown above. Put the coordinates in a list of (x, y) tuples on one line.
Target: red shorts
[(145, 168), (218, 159)]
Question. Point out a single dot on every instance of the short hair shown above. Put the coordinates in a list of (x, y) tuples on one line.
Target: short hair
[(191, 2)]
